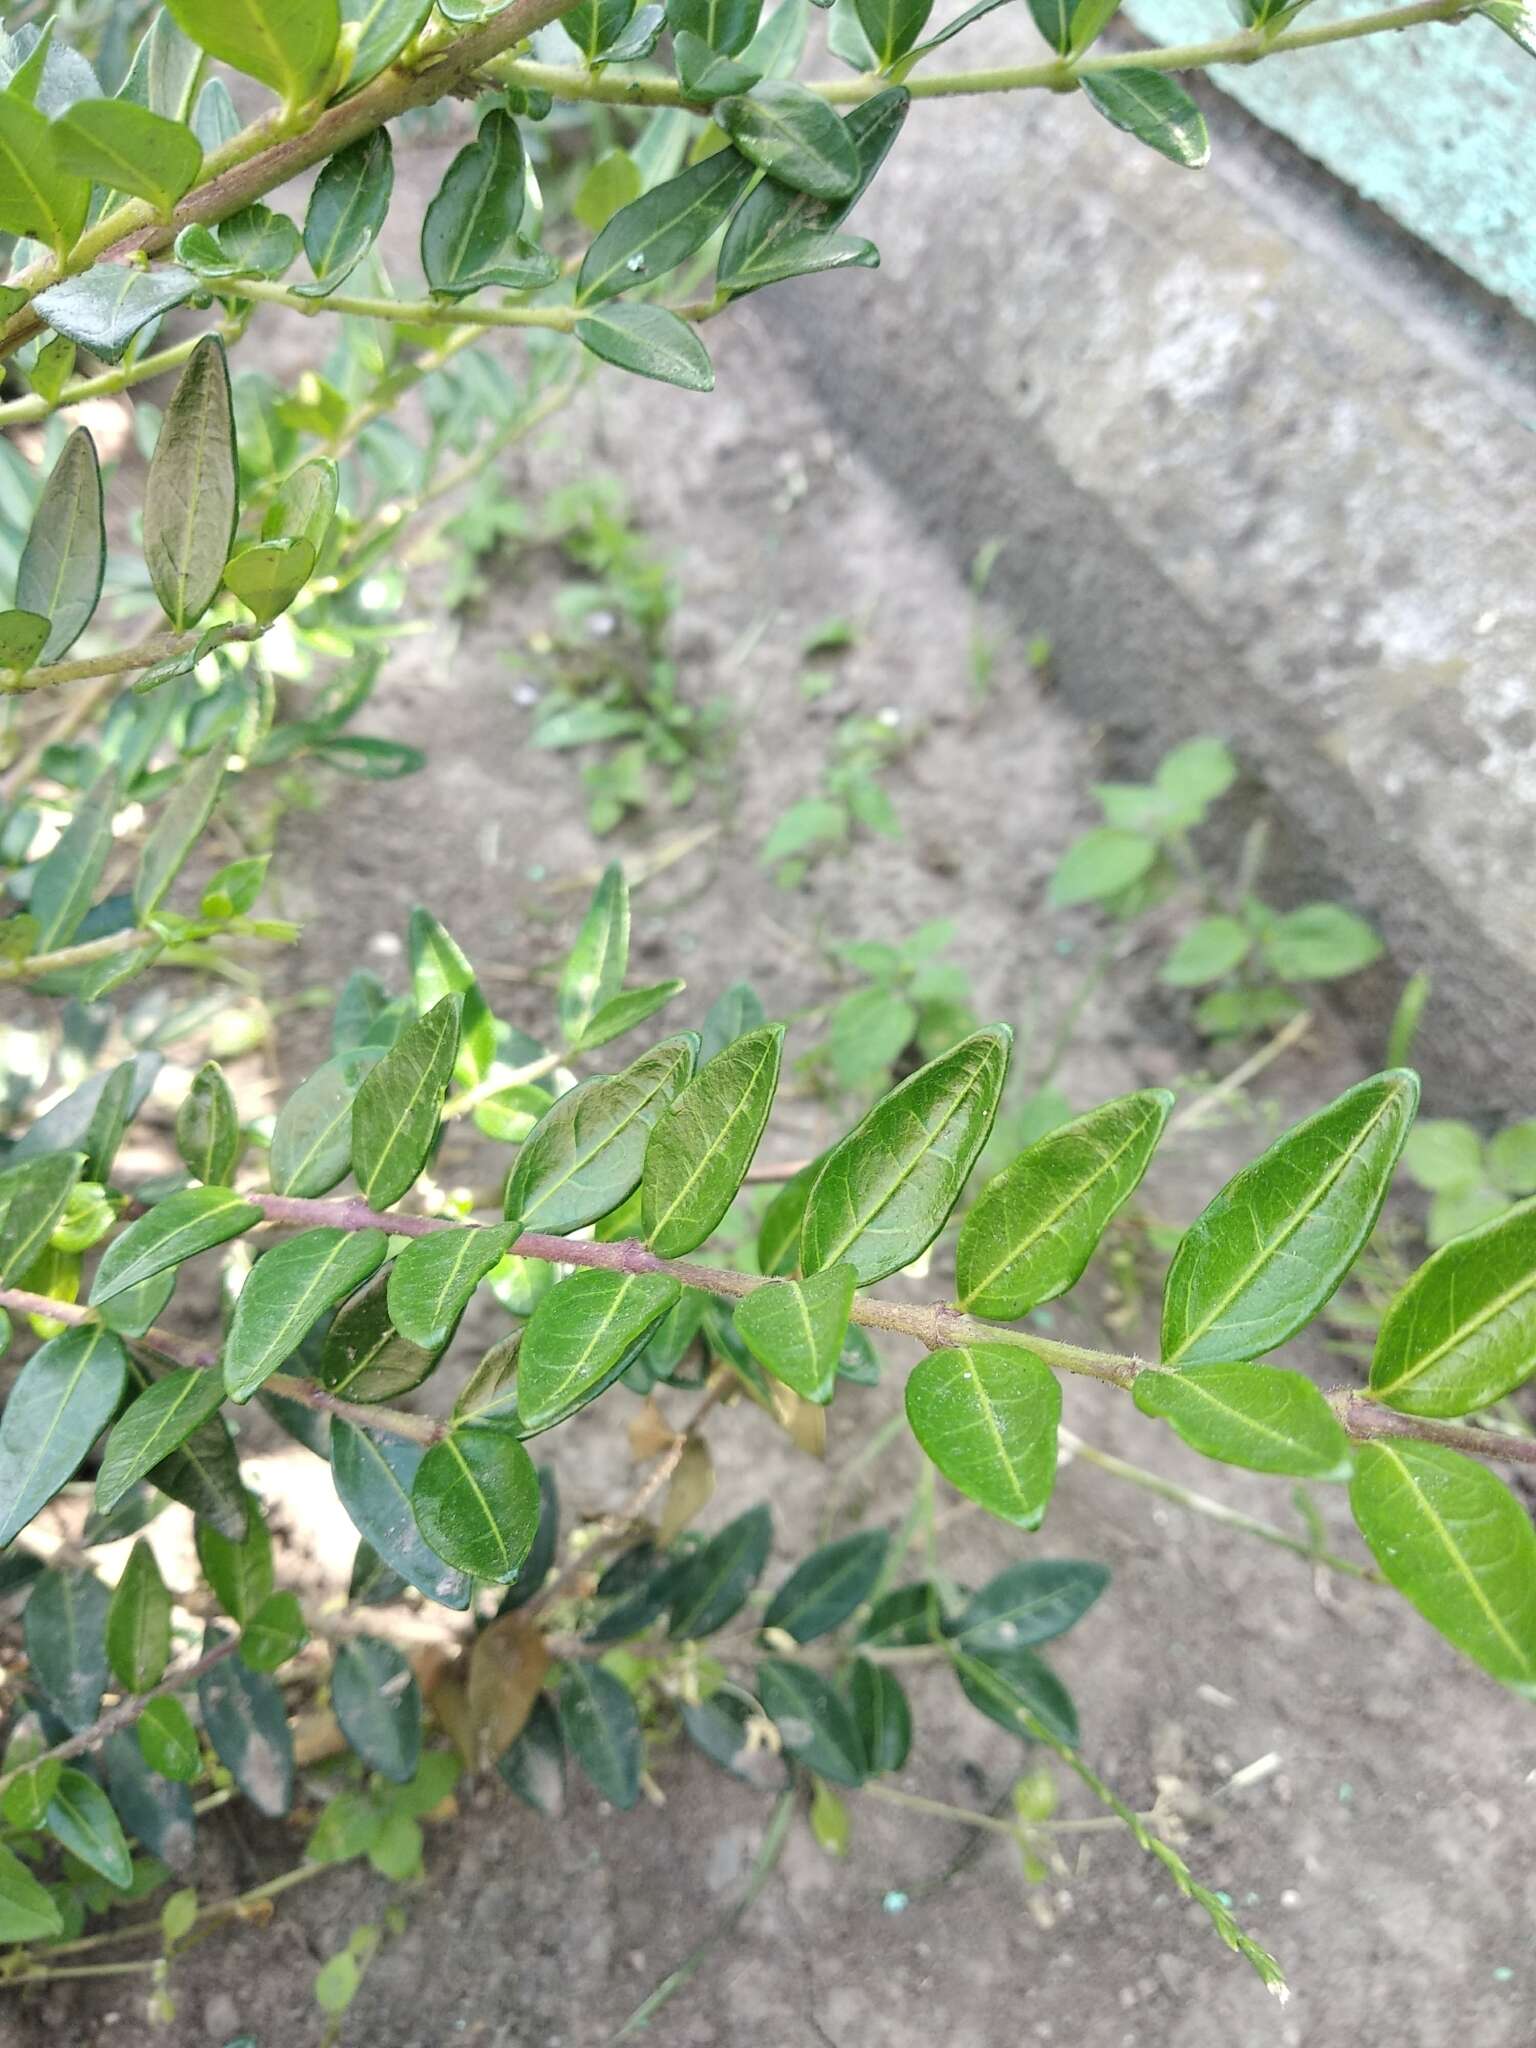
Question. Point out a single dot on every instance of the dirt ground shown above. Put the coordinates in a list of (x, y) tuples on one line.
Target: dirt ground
[(1385, 1854)]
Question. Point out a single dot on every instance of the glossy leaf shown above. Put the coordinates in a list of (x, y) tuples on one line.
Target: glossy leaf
[(431, 1282), (1030, 1603), (716, 1580), (880, 1714), (246, 1721), (81, 1820), (62, 1399), (725, 25), (786, 130), (702, 1144), (312, 1138), (286, 1292), (892, 26), (602, 1731), (1462, 1333), (580, 1335), (384, 28), (374, 1475), (176, 831), (103, 308), (706, 76), (1011, 1686), (476, 1500), (1033, 1229), (469, 235), (625, 1011), (594, 970), (191, 498), (1261, 1416), (1153, 108), (648, 341), (139, 1623), (168, 1741), (439, 968), (663, 227), (586, 1154), (1457, 1543), (826, 1587), (396, 1111), (813, 1721), (67, 878), (347, 208), (126, 148), (287, 44), (34, 1194), (65, 1628), (796, 1329), (208, 1127), (65, 556), (304, 505), (986, 1414), (175, 1230), (1273, 1246), (377, 1701), (364, 1357), (239, 1571), (157, 1422), (203, 1473), (884, 1193)]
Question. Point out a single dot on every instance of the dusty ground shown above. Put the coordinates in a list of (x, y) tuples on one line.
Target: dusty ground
[(1386, 1858)]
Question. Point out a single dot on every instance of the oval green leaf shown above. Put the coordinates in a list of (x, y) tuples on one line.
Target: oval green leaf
[(580, 1336), (64, 1396), (476, 1499), (1263, 1417), (648, 341), (602, 1730), (312, 1138), (65, 557), (663, 227), (246, 1721), (788, 131), (192, 500), (1462, 1333), (127, 149), (826, 1587), (396, 1112), (703, 1142), (796, 1328), (378, 1703), (986, 1414), (286, 1292), (813, 1721), (374, 1475), (175, 1230), (432, 1280), (586, 1153), (139, 1623)]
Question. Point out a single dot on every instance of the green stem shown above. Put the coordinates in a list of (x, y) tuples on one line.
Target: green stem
[(409, 312), (17, 411), (159, 647), (37, 965)]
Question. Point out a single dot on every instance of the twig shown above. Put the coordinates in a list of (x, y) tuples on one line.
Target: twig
[(1290, 1031)]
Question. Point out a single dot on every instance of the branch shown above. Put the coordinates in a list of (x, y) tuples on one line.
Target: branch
[(409, 312), (36, 965), (17, 411), (159, 647)]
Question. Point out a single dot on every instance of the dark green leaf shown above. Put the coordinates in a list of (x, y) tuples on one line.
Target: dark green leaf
[(814, 1725), (534, 1767), (378, 1704), (881, 1716), (476, 1500), (27, 1912), (432, 1280), (384, 28), (65, 556), (139, 1623), (1273, 1246), (1261, 1416), (347, 208), (595, 25), (174, 1231), (884, 1192), (168, 1741), (287, 44), (599, 1722), (580, 1335), (702, 1144), (240, 1573), (80, 1817), (156, 1423), (66, 880), (1010, 1685), (286, 1293), (1150, 106), (825, 1588), (365, 1358), (203, 1473), (664, 226), (34, 1194), (62, 1399), (721, 1726), (786, 130), (1030, 1603), (726, 25), (586, 1153), (395, 1115), (718, 1577), (374, 1476), (373, 1583), (312, 1138), (191, 500), (469, 235), (1462, 1333), (706, 76), (106, 306), (126, 148), (208, 1127), (986, 1414), (594, 971), (65, 1626), (780, 233), (530, 1575), (778, 1237), (247, 1723), (1034, 1228), (650, 342), (892, 26), (731, 1016), (796, 1329), (152, 1807), (176, 831)]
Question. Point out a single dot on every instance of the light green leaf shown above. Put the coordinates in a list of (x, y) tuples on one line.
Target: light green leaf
[(1462, 1333), (885, 1191), (613, 181), (469, 235), (238, 1570), (1263, 1258), (703, 1142), (585, 1155), (594, 971), (825, 1588), (986, 1414), (27, 1912), (396, 1113), (269, 575), (34, 1194), (303, 505), (476, 1497), (208, 1127), (1100, 865), (191, 500), (440, 968), (65, 556), (81, 1819), (1455, 1542), (1320, 942), (126, 148), (287, 44), (158, 1422), (601, 1726), (67, 878), (1150, 106), (1034, 1228), (663, 227), (374, 1475), (168, 1740), (624, 1011), (384, 27), (1444, 1155), (892, 26), (706, 76), (796, 1328), (786, 130), (650, 342), (175, 1230), (580, 1336), (62, 1399), (23, 636), (37, 196), (286, 1292), (312, 1138), (432, 1280), (273, 1632), (139, 1623), (1208, 950), (176, 831), (1263, 1417)]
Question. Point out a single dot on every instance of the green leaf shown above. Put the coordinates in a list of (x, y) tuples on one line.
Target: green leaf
[(364, 1356), (1011, 1686), (1260, 1416), (432, 1280), (796, 1328), (625, 1011), (814, 1725), (139, 1623), (312, 1138), (1100, 865), (1150, 106), (268, 576), (126, 148), (240, 1572), (1030, 1603), (580, 1335), (27, 1912), (208, 1127), (384, 28), (1260, 1262), (706, 76), (374, 1476), (602, 1729), (168, 1741), (663, 227), (703, 1142), (986, 1414), (1033, 1229), (586, 1153), (395, 1116), (66, 880), (246, 1721), (469, 235), (613, 181), (303, 505), (255, 242), (60, 1402), (778, 1237), (716, 1580), (25, 1800), (786, 130), (1213, 947), (534, 1767), (1462, 1333), (191, 500), (650, 342), (1455, 1542), (176, 831), (731, 1016), (23, 636), (439, 968), (1512, 1159), (80, 1817), (203, 1473), (881, 1715), (476, 1498), (594, 971), (726, 25), (65, 556), (1320, 942), (347, 208), (286, 1292), (287, 44), (378, 1704), (892, 26), (594, 26), (37, 196), (65, 1628), (106, 306), (34, 1195), (826, 1587), (273, 1633), (884, 1192)]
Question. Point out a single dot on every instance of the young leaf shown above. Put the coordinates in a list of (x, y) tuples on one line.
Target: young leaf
[(1320, 942), (1011, 1686), (716, 1580), (706, 76), (191, 500), (1034, 1228), (663, 227), (66, 880), (432, 1280), (1100, 865), (594, 971), (378, 1703), (1263, 1258), (246, 1721), (65, 1629), (65, 556), (599, 1722), (176, 831), (986, 1414), (1462, 1333), (1213, 947), (1455, 1542), (786, 130), (826, 1587), (139, 1623), (476, 1499), (892, 26), (34, 1194), (304, 505), (814, 1725), (469, 235), (286, 1292), (374, 1476), (439, 968), (796, 1329), (347, 208), (312, 1138), (240, 1573), (884, 1192), (62, 1399), (1158, 112), (287, 44), (624, 1011), (208, 1127), (586, 1153), (881, 1715), (273, 1632), (268, 576), (23, 635), (580, 1335), (168, 1741), (126, 148), (650, 342), (1030, 1603), (81, 1819), (174, 1231), (703, 1142), (1260, 1416), (395, 1115)]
